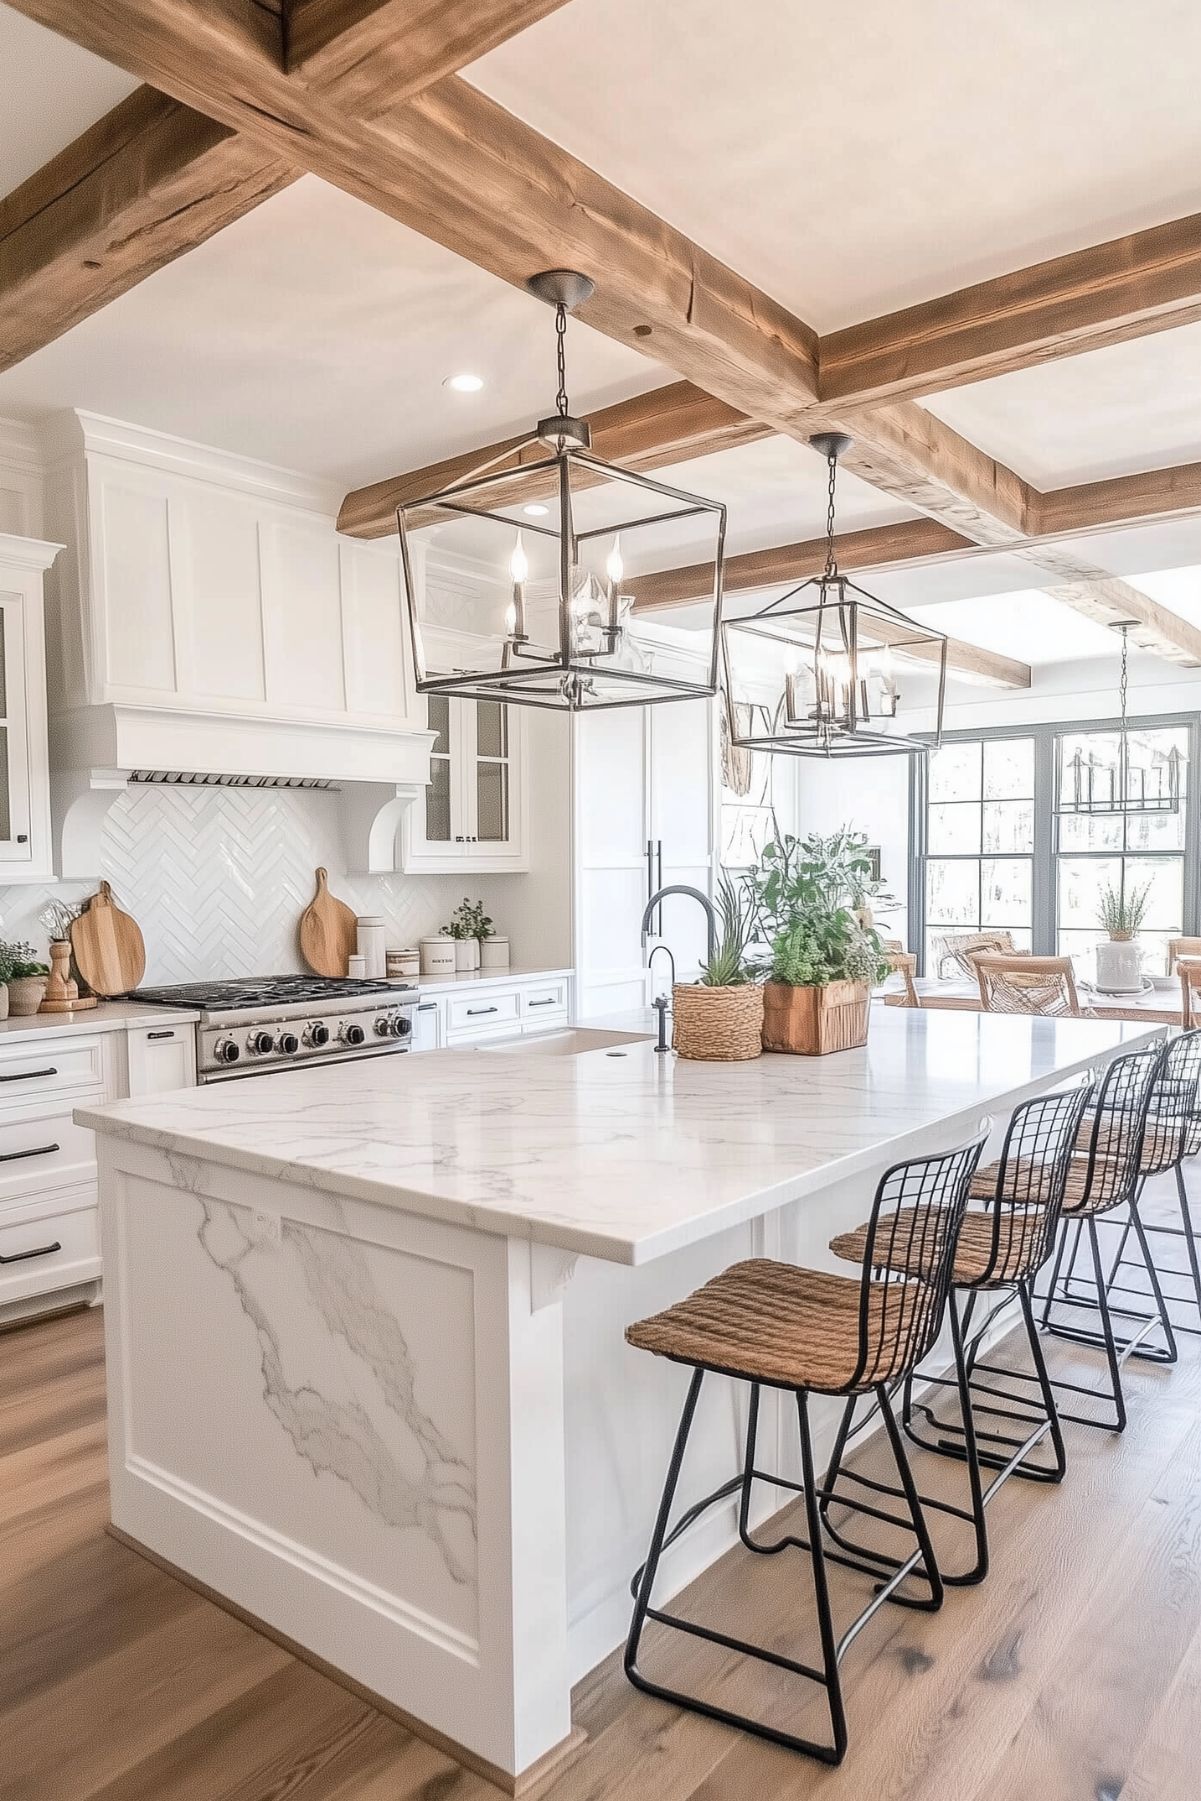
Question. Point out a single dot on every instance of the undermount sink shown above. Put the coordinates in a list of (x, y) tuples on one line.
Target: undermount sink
[(572, 1042)]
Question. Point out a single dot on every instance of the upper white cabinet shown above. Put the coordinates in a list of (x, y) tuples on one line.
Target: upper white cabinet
[(472, 815), (207, 583), (25, 841)]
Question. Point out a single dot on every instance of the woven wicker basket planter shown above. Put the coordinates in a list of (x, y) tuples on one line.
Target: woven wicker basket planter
[(717, 1025), (812, 1022)]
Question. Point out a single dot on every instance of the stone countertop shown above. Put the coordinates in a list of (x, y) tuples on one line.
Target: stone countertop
[(106, 1016), (619, 1153)]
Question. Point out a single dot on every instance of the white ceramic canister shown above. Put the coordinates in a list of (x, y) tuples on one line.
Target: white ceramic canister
[(356, 967), (401, 964), (371, 946), (494, 953), (467, 955), (437, 956)]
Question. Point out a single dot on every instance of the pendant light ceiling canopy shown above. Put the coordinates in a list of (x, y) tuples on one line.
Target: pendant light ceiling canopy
[(521, 579), (1134, 780), (815, 673)]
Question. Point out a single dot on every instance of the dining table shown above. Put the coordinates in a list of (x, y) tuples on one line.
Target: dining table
[(1161, 1006)]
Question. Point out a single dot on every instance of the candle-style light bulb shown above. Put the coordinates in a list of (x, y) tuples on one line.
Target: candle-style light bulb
[(614, 567), (519, 563), (519, 569)]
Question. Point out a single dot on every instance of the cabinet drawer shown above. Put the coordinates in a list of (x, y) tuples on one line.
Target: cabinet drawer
[(59, 1249), (161, 1058), (482, 1011), (546, 1004), (62, 1063), (44, 1150)]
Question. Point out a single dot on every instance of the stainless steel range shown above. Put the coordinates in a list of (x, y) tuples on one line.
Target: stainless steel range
[(250, 1028)]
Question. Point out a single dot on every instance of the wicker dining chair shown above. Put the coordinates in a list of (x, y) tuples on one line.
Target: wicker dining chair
[(955, 950), (806, 1331), (904, 964), (1182, 947), (1022, 984), (1189, 971), (1137, 1129), (1007, 1235)]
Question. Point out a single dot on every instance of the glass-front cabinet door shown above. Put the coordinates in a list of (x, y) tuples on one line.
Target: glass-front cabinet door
[(472, 813), (14, 733)]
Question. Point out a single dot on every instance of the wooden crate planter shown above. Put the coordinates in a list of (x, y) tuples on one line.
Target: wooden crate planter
[(717, 1025), (812, 1022)]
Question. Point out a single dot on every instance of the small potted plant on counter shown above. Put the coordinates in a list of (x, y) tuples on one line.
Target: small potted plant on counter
[(24, 977), (468, 925), (719, 1018), (824, 960), (1119, 962)]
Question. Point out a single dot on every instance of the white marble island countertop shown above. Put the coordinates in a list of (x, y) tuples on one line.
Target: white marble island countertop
[(619, 1153)]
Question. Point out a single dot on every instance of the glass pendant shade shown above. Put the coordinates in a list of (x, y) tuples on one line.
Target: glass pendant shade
[(521, 579)]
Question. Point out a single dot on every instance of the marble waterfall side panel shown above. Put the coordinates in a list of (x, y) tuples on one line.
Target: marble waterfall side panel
[(326, 1411)]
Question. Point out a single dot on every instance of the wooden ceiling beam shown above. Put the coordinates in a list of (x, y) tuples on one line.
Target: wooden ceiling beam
[(1107, 294), (1121, 500), (155, 177), (1106, 599), (149, 181), (654, 430), (909, 543)]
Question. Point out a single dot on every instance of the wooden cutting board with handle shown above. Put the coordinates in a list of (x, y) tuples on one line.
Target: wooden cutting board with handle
[(110, 953), (328, 933)]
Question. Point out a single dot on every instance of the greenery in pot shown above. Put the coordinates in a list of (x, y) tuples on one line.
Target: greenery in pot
[(469, 921), (737, 913), (807, 893), (1123, 910), (18, 963)]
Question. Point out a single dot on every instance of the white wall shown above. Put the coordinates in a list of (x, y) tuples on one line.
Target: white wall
[(869, 794)]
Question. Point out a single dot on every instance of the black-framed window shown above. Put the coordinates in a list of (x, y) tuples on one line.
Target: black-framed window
[(991, 848)]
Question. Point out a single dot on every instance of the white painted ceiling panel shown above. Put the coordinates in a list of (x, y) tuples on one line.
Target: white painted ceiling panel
[(50, 92), (315, 333), (1108, 412), (855, 159)]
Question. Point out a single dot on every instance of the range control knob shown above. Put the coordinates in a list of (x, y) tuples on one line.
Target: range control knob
[(288, 1043), (260, 1044), (353, 1034), (402, 1025), (383, 1027), (317, 1035), (226, 1051)]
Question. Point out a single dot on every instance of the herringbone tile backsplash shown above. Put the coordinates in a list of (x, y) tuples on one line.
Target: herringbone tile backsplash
[(218, 879)]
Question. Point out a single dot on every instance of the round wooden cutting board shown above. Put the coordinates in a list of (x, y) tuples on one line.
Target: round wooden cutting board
[(328, 933), (109, 950)]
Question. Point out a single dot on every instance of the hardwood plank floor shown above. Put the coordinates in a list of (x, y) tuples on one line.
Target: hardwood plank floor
[(1074, 1674)]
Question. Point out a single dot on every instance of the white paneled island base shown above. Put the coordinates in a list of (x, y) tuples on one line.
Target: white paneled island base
[(366, 1370)]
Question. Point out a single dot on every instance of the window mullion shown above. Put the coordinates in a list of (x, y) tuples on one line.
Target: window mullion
[(1044, 877)]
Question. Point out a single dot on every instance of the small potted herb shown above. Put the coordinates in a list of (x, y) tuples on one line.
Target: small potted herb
[(1123, 911), (469, 924), (24, 978), (1119, 962), (719, 1018)]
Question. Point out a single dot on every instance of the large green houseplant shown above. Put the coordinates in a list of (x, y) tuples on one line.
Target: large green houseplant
[(823, 956)]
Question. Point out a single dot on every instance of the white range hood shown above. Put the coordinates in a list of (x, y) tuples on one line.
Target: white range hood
[(207, 622)]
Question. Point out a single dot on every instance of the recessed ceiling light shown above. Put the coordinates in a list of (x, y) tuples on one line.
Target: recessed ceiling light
[(535, 511), (465, 383)]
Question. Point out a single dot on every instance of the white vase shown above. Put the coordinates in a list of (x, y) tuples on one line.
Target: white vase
[(1119, 967), (467, 956)]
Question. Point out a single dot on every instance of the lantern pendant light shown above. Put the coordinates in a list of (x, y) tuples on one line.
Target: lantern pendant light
[(1093, 787), (521, 578), (813, 673)]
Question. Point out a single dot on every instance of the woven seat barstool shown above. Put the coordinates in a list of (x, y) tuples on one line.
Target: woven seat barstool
[(1107, 1173), (1171, 1134), (805, 1331), (1003, 1243)]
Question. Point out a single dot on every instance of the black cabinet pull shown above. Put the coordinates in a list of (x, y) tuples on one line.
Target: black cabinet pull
[(39, 1150), (472, 1011), (548, 1002), (28, 1075), (160, 1035), (43, 1250)]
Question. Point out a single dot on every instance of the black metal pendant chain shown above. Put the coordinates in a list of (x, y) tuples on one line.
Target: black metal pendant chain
[(831, 558), (561, 402)]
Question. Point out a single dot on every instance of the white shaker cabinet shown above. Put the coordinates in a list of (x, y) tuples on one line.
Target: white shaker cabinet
[(25, 843), (161, 1058), (471, 817)]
